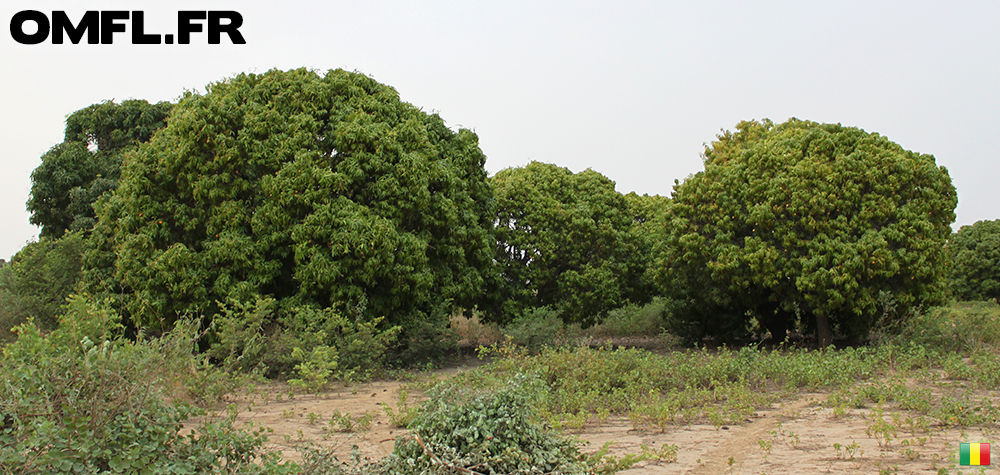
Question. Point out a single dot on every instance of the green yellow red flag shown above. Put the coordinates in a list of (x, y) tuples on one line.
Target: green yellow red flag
[(973, 454)]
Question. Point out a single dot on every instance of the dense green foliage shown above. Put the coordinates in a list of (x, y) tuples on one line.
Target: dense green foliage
[(805, 219), (87, 164), (37, 281), (541, 328), (82, 399), (311, 190), (649, 214), (314, 345), (565, 240), (974, 253), (491, 432)]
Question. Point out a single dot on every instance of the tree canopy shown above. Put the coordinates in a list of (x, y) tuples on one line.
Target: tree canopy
[(805, 219), (37, 280), (313, 190), (974, 254), (565, 240), (76, 172)]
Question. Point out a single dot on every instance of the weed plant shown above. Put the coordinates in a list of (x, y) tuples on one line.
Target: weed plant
[(404, 413)]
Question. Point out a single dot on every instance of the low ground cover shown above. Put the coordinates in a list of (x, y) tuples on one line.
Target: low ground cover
[(898, 406)]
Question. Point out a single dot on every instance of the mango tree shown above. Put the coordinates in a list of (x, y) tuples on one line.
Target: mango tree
[(565, 240), (974, 259), (315, 190), (76, 172), (805, 221)]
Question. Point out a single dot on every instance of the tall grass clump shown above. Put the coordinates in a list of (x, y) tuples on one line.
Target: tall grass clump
[(472, 331)]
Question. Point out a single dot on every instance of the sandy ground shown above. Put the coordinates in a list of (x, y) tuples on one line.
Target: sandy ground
[(793, 437)]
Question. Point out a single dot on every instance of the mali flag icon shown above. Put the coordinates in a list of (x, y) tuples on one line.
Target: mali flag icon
[(974, 454)]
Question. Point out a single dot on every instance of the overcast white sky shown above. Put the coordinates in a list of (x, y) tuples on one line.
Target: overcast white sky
[(630, 89)]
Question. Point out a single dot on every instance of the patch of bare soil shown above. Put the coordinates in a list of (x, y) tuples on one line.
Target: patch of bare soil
[(340, 418), (794, 437)]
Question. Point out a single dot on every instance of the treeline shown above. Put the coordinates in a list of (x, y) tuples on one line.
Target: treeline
[(303, 198), (315, 227)]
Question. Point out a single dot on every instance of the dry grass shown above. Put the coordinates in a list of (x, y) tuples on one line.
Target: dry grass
[(472, 332)]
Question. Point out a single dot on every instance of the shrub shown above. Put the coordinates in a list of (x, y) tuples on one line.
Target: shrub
[(315, 369), (82, 399), (634, 320), (244, 337), (489, 432), (804, 221), (361, 344), (472, 331), (427, 343), (568, 241), (961, 326), (261, 337), (540, 328), (309, 188)]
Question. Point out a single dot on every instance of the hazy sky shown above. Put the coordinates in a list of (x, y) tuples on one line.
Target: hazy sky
[(631, 89)]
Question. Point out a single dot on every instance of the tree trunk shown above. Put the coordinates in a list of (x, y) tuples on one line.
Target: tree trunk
[(823, 334), (778, 325)]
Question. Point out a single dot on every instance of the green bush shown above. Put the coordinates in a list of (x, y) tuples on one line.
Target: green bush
[(490, 432), (261, 337), (542, 327), (315, 369), (804, 223), (427, 342), (245, 337), (82, 399), (634, 320), (568, 241), (309, 188), (361, 344), (961, 326)]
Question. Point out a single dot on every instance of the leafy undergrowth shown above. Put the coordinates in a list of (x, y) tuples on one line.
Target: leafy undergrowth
[(85, 399)]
